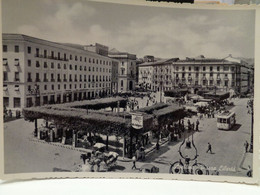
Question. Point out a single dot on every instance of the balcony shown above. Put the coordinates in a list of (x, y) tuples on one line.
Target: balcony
[(52, 80), (58, 80), (29, 80), (64, 80), (45, 80), (50, 57), (17, 80), (70, 80), (37, 80)]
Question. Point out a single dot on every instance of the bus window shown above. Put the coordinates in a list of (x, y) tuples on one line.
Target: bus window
[(228, 121), (224, 120)]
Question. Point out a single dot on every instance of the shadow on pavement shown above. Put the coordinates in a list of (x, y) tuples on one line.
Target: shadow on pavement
[(234, 128), (117, 167), (60, 170)]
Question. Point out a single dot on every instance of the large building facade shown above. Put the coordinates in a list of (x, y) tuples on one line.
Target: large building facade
[(38, 72), (126, 70), (197, 73)]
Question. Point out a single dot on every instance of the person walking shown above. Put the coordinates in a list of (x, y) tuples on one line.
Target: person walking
[(134, 161), (246, 146), (209, 148), (197, 125)]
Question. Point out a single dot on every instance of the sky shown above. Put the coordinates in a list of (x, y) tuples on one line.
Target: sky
[(141, 30)]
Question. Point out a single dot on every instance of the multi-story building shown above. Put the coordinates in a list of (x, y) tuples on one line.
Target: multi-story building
[(126, 70), (196, 73), (114, 85), (38, 72)]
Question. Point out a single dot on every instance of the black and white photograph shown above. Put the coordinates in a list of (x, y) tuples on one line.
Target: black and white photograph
[(105, 89)]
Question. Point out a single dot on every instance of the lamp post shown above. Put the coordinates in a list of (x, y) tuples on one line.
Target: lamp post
[(188, 153), (36, 93), (250, 107)]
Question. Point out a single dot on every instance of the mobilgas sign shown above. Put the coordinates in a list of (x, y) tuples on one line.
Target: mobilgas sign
[(137, 121)]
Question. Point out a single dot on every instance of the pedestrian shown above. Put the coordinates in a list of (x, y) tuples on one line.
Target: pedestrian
[(189, 124), (249, 172), (209, 148), (10, 113), (193, 126), (197, 125), (83, 157), (134, 161), (246, 146)]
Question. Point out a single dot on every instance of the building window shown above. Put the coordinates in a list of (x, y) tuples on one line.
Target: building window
[(29, 77), (211, 74), (183, 68), (5, 48), (93, 60), (76, 67), (52, 65), (226, 83), (45, 53), (85, 59), (70, 57), (29, 63), (52, 54), (65, 86), (52, 87), (45, 65), (65, 67), (204, 68), (218, 68), (37, 64), (29, 88), (37, 77), (17, 102), (5, 76), (80, 58), (45, 87), (196, 68), (58, 86), (6, 101), (232, 69), (76, 58), (122, 83), (59, 66), (16, 76), (16, 48), (29, 50), (37, 52), (211, 68), (226, 68)]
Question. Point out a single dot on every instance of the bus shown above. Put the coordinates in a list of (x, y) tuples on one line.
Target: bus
[(226, 120)]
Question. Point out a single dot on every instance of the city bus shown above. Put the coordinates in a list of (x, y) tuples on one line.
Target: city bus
[(226, 120)]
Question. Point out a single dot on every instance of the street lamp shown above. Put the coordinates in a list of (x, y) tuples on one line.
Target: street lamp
[(188, 153), (250, 107), (36, 93)]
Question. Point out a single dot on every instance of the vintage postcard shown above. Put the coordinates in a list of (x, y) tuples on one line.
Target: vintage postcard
[(129, 90)]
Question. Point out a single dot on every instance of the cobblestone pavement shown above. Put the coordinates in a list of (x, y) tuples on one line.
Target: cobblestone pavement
[(22, 154)]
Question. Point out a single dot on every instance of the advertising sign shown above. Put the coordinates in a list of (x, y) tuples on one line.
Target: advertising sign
[(137, 121)]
